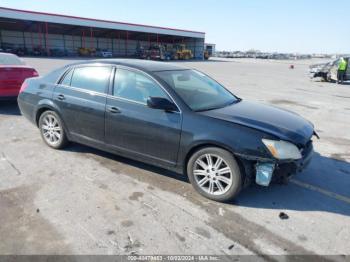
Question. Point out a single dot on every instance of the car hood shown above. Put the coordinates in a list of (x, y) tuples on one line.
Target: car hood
[(324, 67), (318, 65), (284, 124)]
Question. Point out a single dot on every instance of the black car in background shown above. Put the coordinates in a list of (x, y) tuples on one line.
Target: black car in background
[(169, 116)]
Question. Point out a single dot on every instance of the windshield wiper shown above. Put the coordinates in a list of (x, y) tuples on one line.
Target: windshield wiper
[(221, 106), (209, 109)]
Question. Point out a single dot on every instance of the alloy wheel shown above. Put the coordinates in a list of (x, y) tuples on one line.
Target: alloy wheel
[(51, 130), (212, 174)]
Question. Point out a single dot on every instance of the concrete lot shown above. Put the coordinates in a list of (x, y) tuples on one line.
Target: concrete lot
[(84, 201)]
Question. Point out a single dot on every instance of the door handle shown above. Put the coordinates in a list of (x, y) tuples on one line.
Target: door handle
[(60, 97), (114, 110)]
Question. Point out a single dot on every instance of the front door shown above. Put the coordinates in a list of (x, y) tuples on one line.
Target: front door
[(135, 128), (81, 98)]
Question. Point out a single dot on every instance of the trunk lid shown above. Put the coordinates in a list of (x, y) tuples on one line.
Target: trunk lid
[(12, 77)]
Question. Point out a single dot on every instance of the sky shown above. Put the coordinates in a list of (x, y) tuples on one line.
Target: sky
[(294, 26)]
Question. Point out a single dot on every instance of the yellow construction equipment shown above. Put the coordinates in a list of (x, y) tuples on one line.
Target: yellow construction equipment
[(181, 53), (83, 51), (206, 55)]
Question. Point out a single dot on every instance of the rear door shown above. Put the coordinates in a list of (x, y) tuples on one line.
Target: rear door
[(133, 127), (81, 98)]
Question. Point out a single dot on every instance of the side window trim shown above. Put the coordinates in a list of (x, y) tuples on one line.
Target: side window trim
[(110, 95), (60, 80), (111, 81)]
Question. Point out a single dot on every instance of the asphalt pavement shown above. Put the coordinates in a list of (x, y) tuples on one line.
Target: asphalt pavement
[(84, 201)]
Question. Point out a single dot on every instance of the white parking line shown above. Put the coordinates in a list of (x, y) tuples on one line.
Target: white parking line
[(321, 190)]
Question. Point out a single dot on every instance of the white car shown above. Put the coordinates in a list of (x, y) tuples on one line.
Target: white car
[(106, 54)]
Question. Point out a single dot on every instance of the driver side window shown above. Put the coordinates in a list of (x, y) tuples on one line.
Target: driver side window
[(136, 86)]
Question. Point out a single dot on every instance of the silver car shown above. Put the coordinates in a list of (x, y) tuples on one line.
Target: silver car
[(329, 71)]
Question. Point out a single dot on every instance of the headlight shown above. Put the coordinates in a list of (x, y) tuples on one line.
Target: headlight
[(282, 149)]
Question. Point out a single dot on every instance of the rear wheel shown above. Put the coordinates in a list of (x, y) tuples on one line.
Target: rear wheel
[(215, 174), (51, 130)]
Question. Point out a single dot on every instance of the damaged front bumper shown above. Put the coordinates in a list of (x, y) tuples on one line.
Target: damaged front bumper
[(281, 171)]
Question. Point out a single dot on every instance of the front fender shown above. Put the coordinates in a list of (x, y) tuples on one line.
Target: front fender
[(243, 142)]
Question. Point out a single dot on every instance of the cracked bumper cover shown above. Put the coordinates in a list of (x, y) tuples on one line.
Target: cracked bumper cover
[(287, 169), (282, 168)]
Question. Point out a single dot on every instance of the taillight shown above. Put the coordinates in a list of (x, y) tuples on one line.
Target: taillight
[(35, 73), (23, 86)]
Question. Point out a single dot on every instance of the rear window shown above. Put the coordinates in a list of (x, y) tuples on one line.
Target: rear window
[(92, 78), (8, 59)]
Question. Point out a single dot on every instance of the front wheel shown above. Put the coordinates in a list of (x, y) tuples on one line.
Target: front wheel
[(215, 174), (52, 131)]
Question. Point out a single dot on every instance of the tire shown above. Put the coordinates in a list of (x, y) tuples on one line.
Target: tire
[(205, 176), (329, 78), (52, 130), (325, 77)]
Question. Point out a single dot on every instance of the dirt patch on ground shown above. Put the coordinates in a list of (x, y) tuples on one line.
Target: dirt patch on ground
[(136, 196), (338, 140), (341, 157), (342, 96), (292, 103), (29, 231), (127, 223), (232, 225)]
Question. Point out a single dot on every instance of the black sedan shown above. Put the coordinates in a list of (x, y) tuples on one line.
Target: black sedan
[(169, 116)]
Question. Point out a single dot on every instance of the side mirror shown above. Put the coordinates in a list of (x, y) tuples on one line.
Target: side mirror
[(162, 104)]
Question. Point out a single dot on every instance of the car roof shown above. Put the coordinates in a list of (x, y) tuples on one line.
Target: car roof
[(9, 59), (7, 54), (144, 65)]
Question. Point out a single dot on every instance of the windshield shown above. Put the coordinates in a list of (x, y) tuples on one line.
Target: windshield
[(198, 91), (8, 59)]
